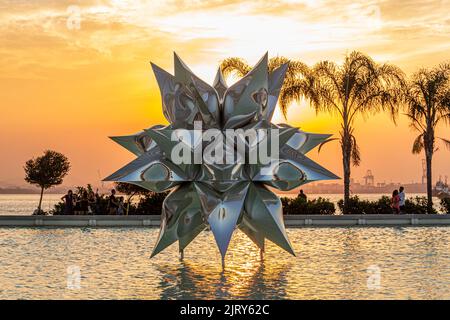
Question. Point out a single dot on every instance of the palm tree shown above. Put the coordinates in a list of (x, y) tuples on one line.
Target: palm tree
[(359, 86), (296, 83), (428, 103)]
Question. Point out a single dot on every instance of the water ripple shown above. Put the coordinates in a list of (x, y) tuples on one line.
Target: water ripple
[(331, 263)]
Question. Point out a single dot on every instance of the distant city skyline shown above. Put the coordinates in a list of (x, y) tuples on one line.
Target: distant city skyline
[(357, 180), (326, 187)]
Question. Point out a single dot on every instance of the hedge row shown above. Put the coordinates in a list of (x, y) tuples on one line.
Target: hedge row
[(151, 204)]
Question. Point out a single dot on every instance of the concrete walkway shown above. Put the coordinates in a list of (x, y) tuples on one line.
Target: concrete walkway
[(290, 221)]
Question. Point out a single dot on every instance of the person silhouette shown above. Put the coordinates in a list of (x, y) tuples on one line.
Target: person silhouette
[(402, 197), (113, 204), (395, 202), (68, 202), (302, 195)]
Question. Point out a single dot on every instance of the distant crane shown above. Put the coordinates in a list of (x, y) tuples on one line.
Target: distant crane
[(369, 179)]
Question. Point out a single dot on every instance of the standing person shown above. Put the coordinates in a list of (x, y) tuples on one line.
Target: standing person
[(120, 209), (113, 204), (98, 203), (84, 203), (395, 202), (77, 204), (91, 202), (402, 197), (302, 195), (68, 203)]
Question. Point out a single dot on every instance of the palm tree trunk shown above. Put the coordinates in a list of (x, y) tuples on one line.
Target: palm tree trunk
[(40, 200), (429, 150), (346, 155), (429, 158)]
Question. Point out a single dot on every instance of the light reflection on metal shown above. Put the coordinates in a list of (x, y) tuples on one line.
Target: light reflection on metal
[(220, 196)]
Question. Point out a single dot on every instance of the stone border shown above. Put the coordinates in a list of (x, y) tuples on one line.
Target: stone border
[(290, 220)]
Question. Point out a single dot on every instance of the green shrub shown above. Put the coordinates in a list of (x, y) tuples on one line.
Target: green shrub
[(417, 205), (149, 204), (58, 209), (445, 204), (300, 206), (383, 205), (357, 206)]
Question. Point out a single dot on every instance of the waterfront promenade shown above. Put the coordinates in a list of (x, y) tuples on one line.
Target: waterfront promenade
[(290, 220)]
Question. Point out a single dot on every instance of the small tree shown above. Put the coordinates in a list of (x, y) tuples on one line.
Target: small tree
[(46, 171), (130, 190)]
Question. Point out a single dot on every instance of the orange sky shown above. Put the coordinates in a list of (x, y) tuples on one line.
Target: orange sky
[(68, 88)]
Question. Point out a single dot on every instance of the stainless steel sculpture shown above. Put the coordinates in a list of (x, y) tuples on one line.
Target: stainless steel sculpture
[(216, 195)]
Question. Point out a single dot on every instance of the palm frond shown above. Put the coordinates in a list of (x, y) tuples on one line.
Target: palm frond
[(355, 153), (418, 144), (290, 94), (277, 62), (294, 90), (446, 143), (428, 96), (371, 88), (327, 87), (325, 142), (295, 70), (238, 65), (444, 117), (415, 122)]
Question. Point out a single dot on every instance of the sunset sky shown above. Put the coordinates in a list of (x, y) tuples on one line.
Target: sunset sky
[(68, 86)]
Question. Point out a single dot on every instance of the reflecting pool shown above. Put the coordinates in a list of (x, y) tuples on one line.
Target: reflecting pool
[(331, 263)]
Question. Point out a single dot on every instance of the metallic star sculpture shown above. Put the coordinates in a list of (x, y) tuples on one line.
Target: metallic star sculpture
[(216, 195)]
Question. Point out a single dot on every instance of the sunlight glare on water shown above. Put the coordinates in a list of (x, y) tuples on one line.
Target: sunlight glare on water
[(331, 263)]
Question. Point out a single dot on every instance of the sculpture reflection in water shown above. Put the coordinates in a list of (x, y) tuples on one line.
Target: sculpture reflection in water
[(194, 281), (220, 195)]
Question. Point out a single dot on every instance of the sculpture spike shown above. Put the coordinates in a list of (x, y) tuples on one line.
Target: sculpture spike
[(222, 211), (166, 83), (265, 212), (181, 219), (129, 143), (182, 72), (276, 79), (246, 99), (250, 231), (220, 84), (137, 143), (138, 163)]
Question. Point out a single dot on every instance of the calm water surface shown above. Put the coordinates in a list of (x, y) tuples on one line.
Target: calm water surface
[(331, 263), (25, 204)]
